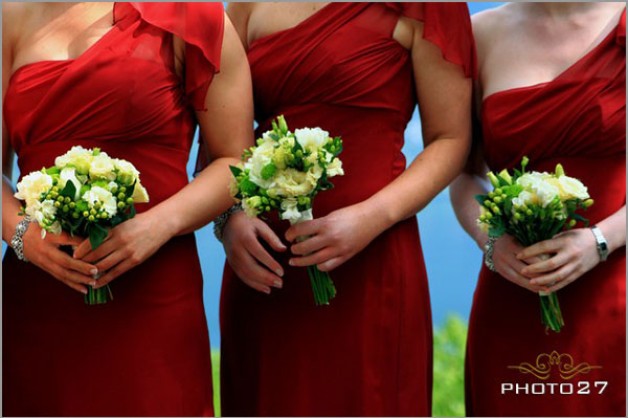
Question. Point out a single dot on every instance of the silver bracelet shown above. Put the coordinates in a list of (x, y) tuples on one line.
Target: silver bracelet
[(16, 242), (489, 247), (221, 221)]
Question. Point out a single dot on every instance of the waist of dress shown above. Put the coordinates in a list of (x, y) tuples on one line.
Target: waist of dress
[(162, 169)]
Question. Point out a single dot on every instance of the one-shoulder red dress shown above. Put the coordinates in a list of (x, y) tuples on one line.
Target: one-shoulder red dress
[(515, 368), (146, 352), (370, 351)]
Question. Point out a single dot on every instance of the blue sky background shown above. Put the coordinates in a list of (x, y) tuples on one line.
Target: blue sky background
[(451, 257)]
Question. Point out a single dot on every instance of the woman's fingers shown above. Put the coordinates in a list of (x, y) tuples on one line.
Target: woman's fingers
[(304, 229), (315, 258), (116, 271), (103, 250), (329, 265), (545, 266), (270, 237), (262, 256), (543, 247), (247, 268), (309, 245), (551, 279)]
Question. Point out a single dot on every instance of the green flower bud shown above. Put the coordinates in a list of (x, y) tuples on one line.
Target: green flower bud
[(496, 210), (104, 215), (559, 170), (85, 214), (72, 205), (497, 199), (91, 218), (67, 200), (491, 195), (76, 215), (122, 189), (92, 211), (57, 204), (66, 208), (121, 205), (588, 203), (60, 199), (48, 196), (571, 223), (55, 189), (529, 212), (121, 195), (129, 201), (493, 179)]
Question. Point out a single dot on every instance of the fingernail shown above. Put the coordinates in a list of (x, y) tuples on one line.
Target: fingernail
[(84, 291), (278, 284), (291, 262), (279, 272), (94, 284), (267, 290), (93, 272)]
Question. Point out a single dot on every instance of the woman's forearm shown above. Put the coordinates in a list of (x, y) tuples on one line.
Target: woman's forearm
[(10, 209), (431, 171), (614, 229), (198, 203)]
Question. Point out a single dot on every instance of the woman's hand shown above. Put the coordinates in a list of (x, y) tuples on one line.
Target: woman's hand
[(45, 254), (572, 253), (127, 245), (509, 266), (246, 255), (333, 239)]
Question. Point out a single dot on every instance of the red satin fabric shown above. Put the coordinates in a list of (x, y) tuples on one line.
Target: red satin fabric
[(578, 119), (146, 352), (370, 351)]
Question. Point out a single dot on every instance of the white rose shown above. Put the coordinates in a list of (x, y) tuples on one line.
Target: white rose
[(32, 186), (76, 154), (140, 195), (102, 167), (311, 139), (525, 198), (69, 174), (292, 183), (538, 184), (127, 173), (262, 156), (290, 212), (571, 188), (335, 168), (99, 195)]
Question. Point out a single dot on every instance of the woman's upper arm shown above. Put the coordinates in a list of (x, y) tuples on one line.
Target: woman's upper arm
[(443, 92), (227, 124), (10, 14), (239, 13)]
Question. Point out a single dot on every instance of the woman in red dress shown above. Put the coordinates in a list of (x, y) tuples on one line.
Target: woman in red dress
[(125, 78), (552, 87), (356, 70)]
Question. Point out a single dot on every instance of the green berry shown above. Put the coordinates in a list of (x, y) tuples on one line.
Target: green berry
[(91, 218), (85, 214), (57, 204)]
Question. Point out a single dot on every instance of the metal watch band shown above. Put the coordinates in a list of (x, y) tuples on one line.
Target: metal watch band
[(16, 241), (602, 244)]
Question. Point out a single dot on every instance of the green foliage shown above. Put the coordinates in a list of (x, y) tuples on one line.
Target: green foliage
[(449, 353)]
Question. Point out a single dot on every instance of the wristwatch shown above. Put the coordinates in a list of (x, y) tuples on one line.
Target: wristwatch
[(16, 242), (602, 244)]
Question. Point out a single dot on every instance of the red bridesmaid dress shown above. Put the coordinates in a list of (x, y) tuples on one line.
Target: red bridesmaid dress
[(370, 351), (578, 120), (146, 353)]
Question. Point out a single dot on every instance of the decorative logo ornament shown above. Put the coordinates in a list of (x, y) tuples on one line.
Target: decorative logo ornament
[(564, 363)]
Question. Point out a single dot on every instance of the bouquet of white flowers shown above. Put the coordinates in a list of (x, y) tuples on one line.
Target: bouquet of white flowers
[(85, 193), (533, 207), (284, 172)]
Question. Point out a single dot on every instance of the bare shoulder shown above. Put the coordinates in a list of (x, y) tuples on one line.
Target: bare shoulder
[(14, 15), (492, 24)]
